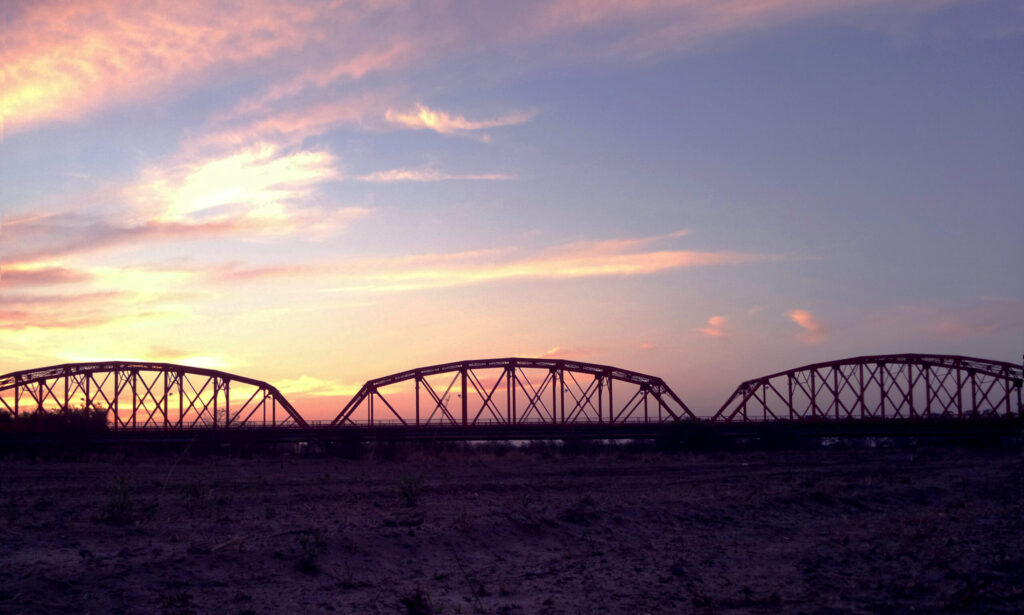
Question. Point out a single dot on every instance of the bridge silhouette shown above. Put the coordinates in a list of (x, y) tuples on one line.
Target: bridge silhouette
[(521, 397)]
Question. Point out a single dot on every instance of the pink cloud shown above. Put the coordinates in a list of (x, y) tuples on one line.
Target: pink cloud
[(619, 257), (715, 327), (16, 276), (64, 60), (950, 323), (814, 332), (426, 175), (423, 117), (56, 311), (566, 353)]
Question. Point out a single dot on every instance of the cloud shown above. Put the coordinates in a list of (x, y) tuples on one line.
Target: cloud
[(250, 193), (949, 323), (617, 257), (649, 27), (423, 117), (60, 311), (715, 327), (426, 175), (64, 60), (814, 332), (565, 353), (258, 184), (309, 386), (290, 126), (391, 55), (17, 276)]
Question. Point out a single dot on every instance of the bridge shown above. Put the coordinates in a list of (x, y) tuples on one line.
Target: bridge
[(900, 386), (550, 391), (525, 398), (139, 395)]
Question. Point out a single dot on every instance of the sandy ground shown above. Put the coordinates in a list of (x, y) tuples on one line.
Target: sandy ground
[(823, 531)]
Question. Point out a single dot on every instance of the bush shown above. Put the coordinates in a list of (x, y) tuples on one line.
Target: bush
[(418, 603), (118, 509), (409, 490), (311, 546)]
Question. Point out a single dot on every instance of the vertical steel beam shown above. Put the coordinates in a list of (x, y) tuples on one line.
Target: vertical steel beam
[(910, 388), (554, 396), (506, 375), (835, 389), (465, 397), (764, 401), (646, 392), (165, 402), (216, 399), (959, 393), (135, 398), (1008, 392), (600, 398), (611, 403), (417, 400), (927, 391), (860, 393), (515, 383), (117, 400), (880, 370), (814, 394), (561, 403), (974, 392)]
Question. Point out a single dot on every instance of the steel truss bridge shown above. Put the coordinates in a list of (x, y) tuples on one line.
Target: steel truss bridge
[(517, 391), (898, 386), (149, 395), (522, 398)]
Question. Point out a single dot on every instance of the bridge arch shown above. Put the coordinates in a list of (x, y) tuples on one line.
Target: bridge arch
[(514, 391), (140, 395), (880, 387)]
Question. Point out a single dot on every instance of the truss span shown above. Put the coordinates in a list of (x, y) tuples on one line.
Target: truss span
[(139, 395), (880, 387), (514, 391)]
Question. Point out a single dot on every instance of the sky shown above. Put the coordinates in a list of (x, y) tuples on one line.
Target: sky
[(319, 193)]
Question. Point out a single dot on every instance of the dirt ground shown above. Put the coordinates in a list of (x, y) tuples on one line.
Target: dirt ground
[(522, 531)]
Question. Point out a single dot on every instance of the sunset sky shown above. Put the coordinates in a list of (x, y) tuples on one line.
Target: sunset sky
[(318, 193)]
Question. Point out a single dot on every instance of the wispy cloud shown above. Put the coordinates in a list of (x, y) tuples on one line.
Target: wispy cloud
[(261, 186), (21, 275), (619, 257), (813, 330), (68, 59), (289, 126), (427, 175), (559, 352), (61, 311), (425, 118), (248, 193), (715, 327), (310, 386), (949, 323)]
